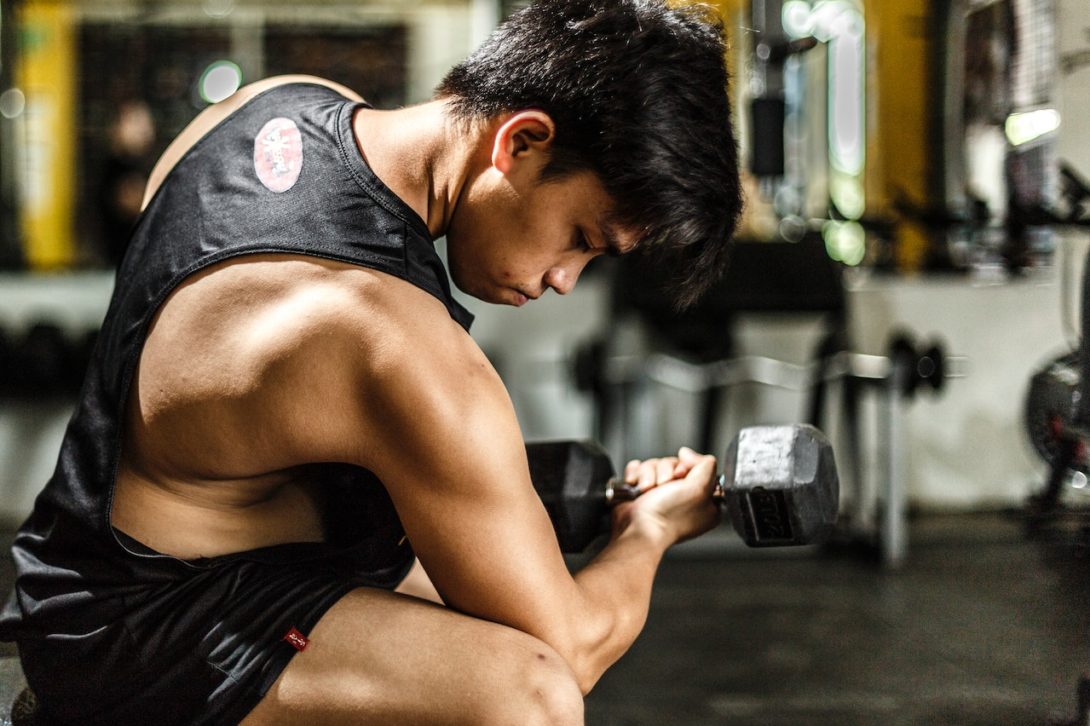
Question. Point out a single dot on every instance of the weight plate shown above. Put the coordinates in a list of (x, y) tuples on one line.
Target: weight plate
[(1050, 405)]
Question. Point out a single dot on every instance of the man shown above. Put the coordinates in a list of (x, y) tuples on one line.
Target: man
[(285, 411)]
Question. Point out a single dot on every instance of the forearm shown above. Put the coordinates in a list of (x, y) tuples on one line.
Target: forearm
[(616, 590), (616, 585)]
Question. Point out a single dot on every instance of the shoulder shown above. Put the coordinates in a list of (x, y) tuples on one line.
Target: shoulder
[(413, 379), (359, 359), (212, 116), (407, 330)]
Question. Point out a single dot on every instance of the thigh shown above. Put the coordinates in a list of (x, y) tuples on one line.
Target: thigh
[(384, 658)]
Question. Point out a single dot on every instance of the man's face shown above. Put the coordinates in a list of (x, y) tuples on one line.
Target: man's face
[(513, 236)]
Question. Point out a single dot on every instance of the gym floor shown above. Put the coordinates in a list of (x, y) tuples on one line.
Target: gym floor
[(981, 626)]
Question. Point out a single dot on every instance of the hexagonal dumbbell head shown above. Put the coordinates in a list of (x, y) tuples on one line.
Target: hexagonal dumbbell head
[(571, 478), (780, 485)]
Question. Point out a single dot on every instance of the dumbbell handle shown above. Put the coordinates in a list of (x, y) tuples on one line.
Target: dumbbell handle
[(618, 490)]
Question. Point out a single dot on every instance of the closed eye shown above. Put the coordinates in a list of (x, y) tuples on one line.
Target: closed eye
[(581, 241)]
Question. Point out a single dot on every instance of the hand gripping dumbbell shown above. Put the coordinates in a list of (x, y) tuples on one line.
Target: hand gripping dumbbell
[(779, 484)]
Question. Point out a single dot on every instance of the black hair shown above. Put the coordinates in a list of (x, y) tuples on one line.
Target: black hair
[(638, 92)]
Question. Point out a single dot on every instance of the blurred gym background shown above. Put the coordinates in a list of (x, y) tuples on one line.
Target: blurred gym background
[(911, 255)]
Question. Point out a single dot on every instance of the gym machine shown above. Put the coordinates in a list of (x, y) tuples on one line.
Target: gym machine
[(695, 354), (1057, 414)]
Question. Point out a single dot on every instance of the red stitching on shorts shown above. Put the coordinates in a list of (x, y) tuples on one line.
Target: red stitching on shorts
[(296, 639)]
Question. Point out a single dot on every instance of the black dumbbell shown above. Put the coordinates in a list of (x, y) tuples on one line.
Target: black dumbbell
[(779, 484), (920, 366), (40, 360)]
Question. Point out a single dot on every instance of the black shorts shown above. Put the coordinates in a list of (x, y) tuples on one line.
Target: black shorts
[(202, 649), (202, 642)]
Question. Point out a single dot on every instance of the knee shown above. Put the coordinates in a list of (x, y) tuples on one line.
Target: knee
[(540, 691), (554, 691)]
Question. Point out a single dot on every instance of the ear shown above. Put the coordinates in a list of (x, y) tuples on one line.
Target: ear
[(521, 137)]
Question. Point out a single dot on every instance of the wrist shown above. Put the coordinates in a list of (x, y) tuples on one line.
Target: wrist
[(630, 523)]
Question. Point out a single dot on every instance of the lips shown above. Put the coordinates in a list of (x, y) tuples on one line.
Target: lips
[(521, 298)]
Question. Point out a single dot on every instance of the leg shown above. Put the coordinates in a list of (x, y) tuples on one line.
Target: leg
[(382, 658)]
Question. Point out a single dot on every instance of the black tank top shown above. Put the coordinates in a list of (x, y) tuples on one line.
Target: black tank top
[(282, 174)]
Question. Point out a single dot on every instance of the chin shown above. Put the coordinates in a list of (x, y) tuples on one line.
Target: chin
[(494, 298), (468, 286), (474, 285)]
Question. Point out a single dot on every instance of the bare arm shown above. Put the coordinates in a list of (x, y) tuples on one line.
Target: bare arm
[(393, 384), (443, 437)]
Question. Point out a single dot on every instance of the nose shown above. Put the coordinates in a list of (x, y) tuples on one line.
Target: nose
[(562, 278)]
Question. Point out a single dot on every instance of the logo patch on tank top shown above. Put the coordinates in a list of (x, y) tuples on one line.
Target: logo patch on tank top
[(278, 154)]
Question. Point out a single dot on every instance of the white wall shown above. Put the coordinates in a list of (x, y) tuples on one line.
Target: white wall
[(968, 447), (439, 37), (31, 431), (1073, 36)]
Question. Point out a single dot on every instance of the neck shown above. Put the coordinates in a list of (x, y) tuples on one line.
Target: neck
[(421, 154)]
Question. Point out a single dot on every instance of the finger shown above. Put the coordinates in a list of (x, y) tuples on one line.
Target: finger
[(639, 476), (687, 459), (683, 466), (705, 470), (648, 474), (664, 469), (689, 456)]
